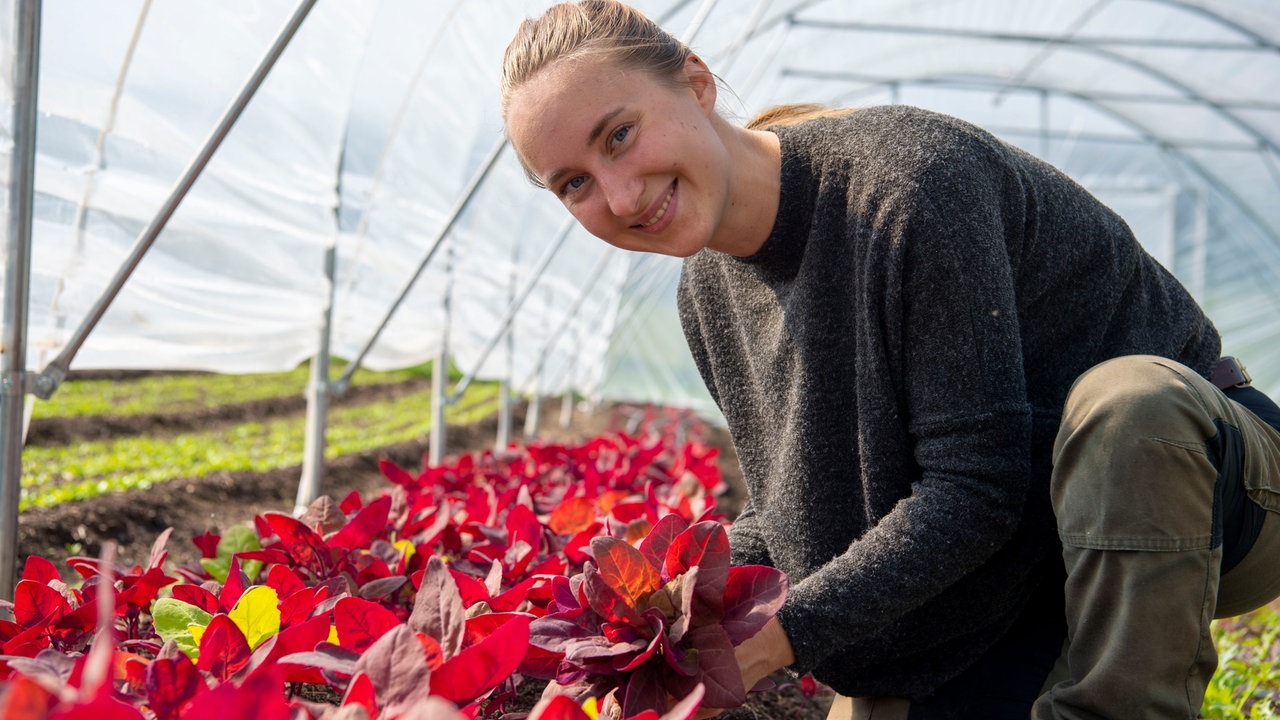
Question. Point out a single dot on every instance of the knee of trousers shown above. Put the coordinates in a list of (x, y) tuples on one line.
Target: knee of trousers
[(1130, 466)]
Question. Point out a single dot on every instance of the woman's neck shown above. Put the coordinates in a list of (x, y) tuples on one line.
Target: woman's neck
[(754, 189)]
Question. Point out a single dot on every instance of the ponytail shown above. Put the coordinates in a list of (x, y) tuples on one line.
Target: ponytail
[(794, 114)]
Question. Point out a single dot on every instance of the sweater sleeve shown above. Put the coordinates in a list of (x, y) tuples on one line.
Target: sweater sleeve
[(746, 542), (947, 297)]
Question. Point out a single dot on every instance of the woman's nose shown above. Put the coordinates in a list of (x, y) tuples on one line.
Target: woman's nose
[(621, 192)]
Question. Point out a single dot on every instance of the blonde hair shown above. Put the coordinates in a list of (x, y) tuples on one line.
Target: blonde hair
[(794, 114), (610, 29)]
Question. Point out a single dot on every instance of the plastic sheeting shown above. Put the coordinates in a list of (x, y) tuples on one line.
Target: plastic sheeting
[(378, 115)]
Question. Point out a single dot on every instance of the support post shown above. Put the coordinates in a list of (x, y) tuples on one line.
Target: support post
[(531, 414), (504, 416), (318, 393), (566, 410), (13, 352), (439, 399)]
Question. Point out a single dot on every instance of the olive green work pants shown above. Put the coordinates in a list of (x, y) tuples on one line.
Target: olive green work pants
[(1136, 492)]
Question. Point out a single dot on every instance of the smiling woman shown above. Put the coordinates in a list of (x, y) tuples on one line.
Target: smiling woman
[(637, 152), (942, 362)]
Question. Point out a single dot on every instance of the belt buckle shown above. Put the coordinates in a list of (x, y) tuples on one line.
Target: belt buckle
[(1229, 373)]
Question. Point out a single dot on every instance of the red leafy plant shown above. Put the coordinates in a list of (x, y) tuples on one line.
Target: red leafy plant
[(562, 707), (642, 624), (439, 653), (415, 605)]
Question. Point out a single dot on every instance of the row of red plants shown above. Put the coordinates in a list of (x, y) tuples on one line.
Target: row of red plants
[(601, 568)]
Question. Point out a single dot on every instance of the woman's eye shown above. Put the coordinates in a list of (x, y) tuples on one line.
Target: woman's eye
[(620, 134), (572, 184)]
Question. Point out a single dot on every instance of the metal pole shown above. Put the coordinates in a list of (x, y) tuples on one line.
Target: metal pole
[(440, 374), (317, 401), (13, 354), (504, 414), (531, 419), (439, 401), (53, 375), (566, 410)]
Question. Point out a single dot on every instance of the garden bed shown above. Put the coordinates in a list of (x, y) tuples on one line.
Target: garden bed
[(213, 502)]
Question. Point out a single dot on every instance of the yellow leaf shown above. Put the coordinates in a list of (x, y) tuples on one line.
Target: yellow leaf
[(197, 632), (591, 708), (257, 614), (406, 548)]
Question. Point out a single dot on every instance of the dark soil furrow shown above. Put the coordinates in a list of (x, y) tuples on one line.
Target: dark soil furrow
[(192, 506)]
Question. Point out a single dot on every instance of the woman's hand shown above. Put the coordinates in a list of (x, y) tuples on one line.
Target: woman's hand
[(758, 656)]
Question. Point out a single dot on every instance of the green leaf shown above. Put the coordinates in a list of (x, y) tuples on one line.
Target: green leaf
[(173, 620), (240, 538)]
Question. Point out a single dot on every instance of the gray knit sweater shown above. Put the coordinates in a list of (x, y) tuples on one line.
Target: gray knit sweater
[(892, 365)]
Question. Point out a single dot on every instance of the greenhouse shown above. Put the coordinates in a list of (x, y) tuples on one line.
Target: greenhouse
[(244, 186)]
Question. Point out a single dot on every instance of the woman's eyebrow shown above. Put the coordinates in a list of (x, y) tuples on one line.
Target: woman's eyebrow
[(600, 125)]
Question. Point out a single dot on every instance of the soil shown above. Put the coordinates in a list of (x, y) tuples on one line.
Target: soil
[(194, 505)]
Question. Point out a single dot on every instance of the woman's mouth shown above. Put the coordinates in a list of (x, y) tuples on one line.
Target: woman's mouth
[(660, 217)]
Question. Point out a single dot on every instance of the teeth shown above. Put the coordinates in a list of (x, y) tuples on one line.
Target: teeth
[(661, 211)]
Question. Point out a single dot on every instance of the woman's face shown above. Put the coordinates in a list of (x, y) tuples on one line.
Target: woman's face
[(637, 161)]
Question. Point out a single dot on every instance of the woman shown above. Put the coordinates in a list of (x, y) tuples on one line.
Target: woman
[(950, 374)]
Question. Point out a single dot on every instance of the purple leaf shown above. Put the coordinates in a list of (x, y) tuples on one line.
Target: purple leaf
[(655, 544), (753, 594), (563, 594), (327, 656), (382, 587), (49, 667), (627, 572), (717, 670), (706, 546), (605, 600), (438, 610), (553, 632), (646, 651), (323, 515), (645, 691), (397, 665), (595, 647)]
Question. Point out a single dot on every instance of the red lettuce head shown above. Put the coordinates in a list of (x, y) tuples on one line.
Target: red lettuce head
[(655, 620)]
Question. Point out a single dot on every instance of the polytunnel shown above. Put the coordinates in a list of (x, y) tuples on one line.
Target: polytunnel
[(370, 164)]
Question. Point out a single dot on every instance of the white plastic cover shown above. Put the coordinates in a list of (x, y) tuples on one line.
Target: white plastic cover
[(380, 114)]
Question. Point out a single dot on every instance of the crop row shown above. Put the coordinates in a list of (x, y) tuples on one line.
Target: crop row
[(56, 474), (188, 392)]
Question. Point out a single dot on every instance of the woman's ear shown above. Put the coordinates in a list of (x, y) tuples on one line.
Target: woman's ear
[(701, 81)]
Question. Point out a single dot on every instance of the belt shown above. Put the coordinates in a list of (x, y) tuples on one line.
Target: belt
[(1229, 373)]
